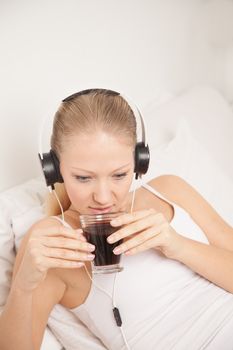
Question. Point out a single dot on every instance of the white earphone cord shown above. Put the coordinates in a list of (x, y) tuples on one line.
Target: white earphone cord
[(112, 297)]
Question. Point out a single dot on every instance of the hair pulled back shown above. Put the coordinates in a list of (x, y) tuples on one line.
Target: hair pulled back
[(84, 113), (99, 109)]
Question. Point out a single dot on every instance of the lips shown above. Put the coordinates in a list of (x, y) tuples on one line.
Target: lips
[(101, 210)]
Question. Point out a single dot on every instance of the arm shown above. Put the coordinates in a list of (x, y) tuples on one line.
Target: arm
[(17, 316), (213, 261), (36, 287), (24, 318), (218, 232)]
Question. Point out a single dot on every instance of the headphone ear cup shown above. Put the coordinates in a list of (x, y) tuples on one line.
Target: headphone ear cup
[(142, 159), (51, 168)]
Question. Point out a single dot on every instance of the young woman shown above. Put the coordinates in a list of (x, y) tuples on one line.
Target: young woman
[(175, 291)]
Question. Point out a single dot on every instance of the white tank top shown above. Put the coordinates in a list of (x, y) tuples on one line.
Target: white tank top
[(163, 304)]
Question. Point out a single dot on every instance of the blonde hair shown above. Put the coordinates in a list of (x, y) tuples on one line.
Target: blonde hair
[(85, 112)]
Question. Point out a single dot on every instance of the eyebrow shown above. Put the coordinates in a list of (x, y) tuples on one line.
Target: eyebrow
[(91, 172)]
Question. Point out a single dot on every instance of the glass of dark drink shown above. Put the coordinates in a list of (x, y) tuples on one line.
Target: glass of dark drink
[(97, 228)]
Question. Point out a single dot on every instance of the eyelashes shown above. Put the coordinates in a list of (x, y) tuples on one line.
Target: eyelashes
[(120, 176), (84, 179)]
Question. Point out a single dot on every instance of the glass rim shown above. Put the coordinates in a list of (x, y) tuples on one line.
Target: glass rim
[(100, 216)]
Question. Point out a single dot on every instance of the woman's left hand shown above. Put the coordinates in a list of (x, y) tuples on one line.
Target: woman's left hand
[(144, 230)]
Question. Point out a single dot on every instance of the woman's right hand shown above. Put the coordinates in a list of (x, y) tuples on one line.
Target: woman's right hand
[(53, 247)]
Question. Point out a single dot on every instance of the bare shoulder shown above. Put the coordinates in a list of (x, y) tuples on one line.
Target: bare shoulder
[(176, 189), (187, 197), (182, 193)]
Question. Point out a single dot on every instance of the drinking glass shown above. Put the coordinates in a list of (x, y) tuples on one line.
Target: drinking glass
[(96, 229)]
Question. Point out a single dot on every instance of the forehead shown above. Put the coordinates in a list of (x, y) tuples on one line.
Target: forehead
[(97, 150)]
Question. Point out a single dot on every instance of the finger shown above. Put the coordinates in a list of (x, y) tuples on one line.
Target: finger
[(58, 230), (136, 241), (67, 243), (67, 254), (131, 217), (151, 220), (81, 236), (154, 242), (60, 263)]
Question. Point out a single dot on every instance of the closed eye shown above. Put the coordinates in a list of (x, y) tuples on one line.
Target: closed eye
[(120, 176), (82, 178)]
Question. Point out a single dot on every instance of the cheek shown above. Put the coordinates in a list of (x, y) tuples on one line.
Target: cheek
[(77, 194), (123, 189)]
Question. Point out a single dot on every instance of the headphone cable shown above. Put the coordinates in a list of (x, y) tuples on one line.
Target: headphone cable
[(116, 312)]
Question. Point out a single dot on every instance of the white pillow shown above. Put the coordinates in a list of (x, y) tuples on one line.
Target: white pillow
[(210, 118), (184, 156)]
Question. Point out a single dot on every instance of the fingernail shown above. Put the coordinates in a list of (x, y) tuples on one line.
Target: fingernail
[(115, 222), (110, 239), (90, 256), (79, 230), (129, 252), (79, 264), (91, 248), (117, 251)]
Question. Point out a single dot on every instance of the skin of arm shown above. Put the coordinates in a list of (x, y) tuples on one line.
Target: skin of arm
[(46, 253), (213, 261), (24, 318), (23, 321)]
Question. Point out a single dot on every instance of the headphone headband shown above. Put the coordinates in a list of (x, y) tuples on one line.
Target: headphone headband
[(135, 109), (137, 112), (50, 162)]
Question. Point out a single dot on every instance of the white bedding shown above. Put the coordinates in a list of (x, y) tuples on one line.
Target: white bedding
[(175, 129)]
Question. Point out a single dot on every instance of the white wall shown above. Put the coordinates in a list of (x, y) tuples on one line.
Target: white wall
[(229, 75), (216, 21), (51, 48)]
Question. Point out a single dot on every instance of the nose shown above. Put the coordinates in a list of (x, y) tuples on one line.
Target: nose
[(102, 194)]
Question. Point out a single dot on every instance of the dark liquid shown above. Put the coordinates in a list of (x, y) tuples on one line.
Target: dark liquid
[(97, 234)]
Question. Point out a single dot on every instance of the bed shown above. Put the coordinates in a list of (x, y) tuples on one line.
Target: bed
[(173, 58), (176, 131)]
